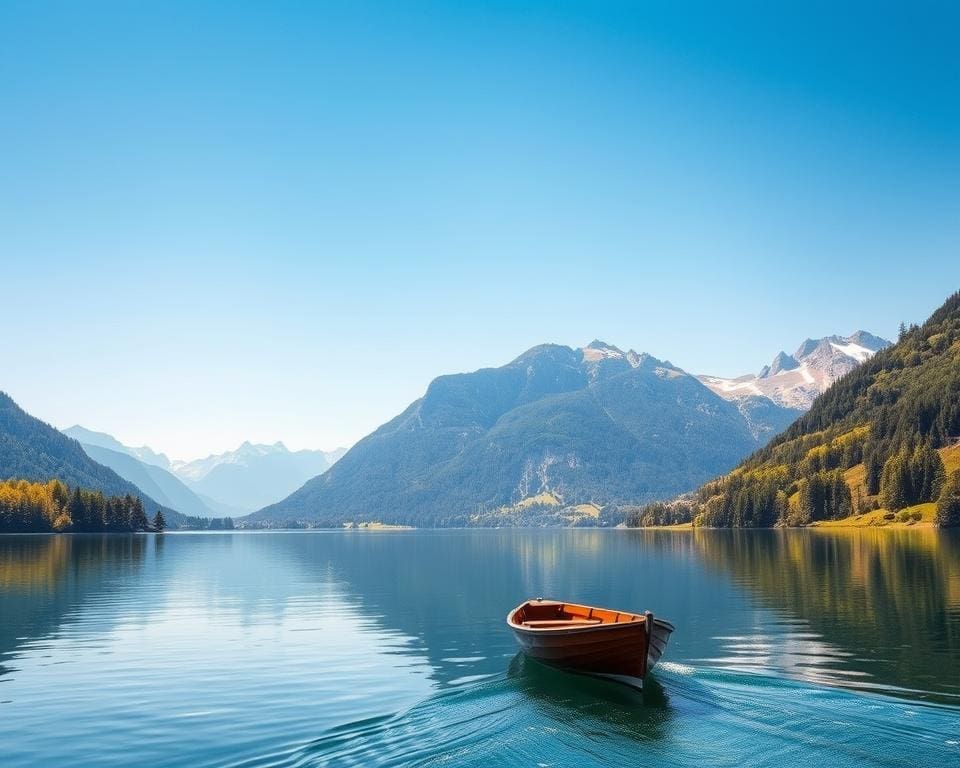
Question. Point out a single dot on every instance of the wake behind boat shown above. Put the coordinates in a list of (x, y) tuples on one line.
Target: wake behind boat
[(618, 645)]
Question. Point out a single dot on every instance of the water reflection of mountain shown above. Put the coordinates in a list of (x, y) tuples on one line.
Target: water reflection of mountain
[(451, 590), (44, 579), (863, 608)]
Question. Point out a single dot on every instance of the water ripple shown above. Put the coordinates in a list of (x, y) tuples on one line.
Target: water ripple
[(534, 716)]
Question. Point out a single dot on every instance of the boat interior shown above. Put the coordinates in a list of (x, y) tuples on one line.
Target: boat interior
[(551, 614)]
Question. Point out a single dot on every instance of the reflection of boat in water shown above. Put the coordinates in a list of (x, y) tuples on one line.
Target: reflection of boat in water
[(618, 645)]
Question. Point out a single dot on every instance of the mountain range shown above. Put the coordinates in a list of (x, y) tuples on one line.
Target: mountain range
[(253, 475), (560, 435), (556, 435), (228, 484)]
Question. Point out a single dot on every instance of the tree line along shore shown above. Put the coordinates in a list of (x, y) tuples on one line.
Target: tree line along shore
[(52, 507)]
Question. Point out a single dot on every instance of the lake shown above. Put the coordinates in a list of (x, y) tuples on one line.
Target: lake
[(365, 648)]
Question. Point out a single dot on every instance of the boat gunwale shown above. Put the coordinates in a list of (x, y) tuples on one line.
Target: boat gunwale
[(640, 619)]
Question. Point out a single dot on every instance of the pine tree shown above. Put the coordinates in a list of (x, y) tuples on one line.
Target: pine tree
[(927, 474), (60, 493), (138, 517), (873, 464), (948, 505), (99, 508), (77, 511), (895, 483), (159, 524), (841, 502), (811, 499)]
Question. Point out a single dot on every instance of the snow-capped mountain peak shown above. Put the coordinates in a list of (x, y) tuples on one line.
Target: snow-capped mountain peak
[(598, 350), (794, 381), (602, 360), (246, 452), (781, 363)]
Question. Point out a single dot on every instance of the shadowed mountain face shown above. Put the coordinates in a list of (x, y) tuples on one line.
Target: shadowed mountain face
[(555, 428), (109, 442), (33, 450)]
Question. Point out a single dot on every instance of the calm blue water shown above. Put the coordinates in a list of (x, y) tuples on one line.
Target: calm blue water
[(389, 648)]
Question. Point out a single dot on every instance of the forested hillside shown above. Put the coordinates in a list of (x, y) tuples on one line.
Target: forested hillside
[(884, 437), (35, 451)]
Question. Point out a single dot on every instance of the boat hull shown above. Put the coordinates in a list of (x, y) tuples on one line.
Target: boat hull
[(623, 651)]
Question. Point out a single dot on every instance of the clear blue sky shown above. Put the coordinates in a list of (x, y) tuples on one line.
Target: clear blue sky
[(280, 220)]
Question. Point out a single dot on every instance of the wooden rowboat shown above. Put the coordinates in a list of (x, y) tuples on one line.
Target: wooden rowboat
[(617, 645)]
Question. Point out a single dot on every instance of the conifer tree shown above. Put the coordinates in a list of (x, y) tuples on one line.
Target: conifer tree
[(841, 502), (895, 483), (873, 464), (927, 474), (138, 517), (77, 511), (159, 524), (948, 505), (60, 494)]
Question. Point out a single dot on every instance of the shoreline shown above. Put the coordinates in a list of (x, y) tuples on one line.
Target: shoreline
[(846, 524)]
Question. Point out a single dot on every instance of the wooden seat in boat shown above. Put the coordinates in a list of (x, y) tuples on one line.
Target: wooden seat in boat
[(559, 622)]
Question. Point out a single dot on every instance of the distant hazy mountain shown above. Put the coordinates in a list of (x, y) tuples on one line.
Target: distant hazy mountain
[(556, 429), (253, 475), (103, 440), (794, 381), (163, 486), (224, 485), (33, 450)]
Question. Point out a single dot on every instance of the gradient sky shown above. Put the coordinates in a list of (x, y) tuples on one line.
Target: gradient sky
[(280, 220)]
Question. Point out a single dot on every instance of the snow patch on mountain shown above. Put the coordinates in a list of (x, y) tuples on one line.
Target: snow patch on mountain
[(598, 350), (726, 386), (858, 353)]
